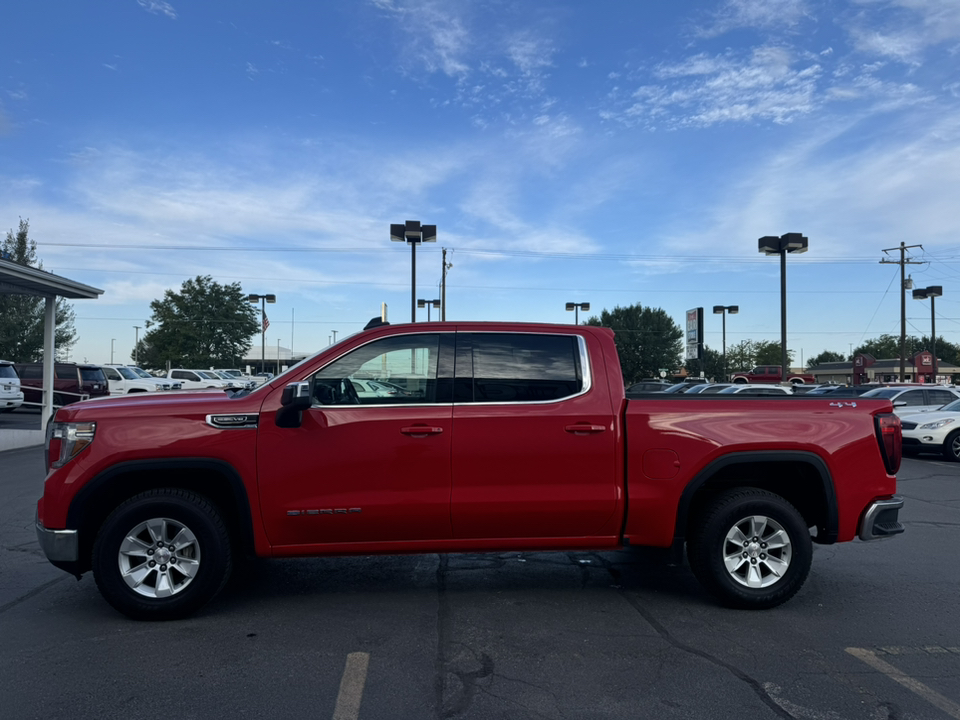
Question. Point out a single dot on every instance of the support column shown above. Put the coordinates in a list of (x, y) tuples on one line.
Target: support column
[(49, 359)]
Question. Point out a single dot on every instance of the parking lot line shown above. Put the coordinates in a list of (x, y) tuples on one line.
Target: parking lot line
[(351, 687), (931, 696)]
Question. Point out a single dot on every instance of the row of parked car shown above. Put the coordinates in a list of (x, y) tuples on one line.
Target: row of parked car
[(23, 382), (929, 414)]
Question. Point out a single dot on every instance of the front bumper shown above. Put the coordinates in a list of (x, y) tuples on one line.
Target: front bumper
[(880, 519), (60, 546)]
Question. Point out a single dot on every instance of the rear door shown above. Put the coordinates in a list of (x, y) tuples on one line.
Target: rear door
[(534, 439)]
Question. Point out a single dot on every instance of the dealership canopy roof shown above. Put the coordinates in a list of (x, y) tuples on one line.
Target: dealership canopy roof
[(16, 279)]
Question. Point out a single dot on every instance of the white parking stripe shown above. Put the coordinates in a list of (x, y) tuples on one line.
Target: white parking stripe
[(931, 696), (351, 687)]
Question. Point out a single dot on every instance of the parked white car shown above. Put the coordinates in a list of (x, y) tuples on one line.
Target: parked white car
[(242, 376), (934, 431), (166, 383), (11, 396), (122, 380), (235, 381), (909, 399), (198, 379)]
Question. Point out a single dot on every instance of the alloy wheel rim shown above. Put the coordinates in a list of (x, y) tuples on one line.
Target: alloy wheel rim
[(757, 551), (159, 558)]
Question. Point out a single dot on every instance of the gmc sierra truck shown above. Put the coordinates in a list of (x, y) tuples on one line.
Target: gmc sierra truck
[(506, 437)]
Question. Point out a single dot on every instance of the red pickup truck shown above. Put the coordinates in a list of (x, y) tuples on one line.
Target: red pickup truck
[(493, 437), (771, 374)]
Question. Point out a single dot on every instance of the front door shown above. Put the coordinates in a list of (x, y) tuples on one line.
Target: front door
[(367, 464)]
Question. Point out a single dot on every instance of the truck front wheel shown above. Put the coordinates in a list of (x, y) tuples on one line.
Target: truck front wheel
[(162, 554), (751, 549)]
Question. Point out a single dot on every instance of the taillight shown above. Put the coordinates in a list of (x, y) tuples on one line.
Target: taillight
[(891, 441)]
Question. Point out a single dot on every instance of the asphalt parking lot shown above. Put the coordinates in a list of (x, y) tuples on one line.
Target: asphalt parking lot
[(873, 634)]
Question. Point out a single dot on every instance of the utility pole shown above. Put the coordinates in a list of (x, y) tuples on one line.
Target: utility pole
[(443, 287), (903, 262), (136, 343)]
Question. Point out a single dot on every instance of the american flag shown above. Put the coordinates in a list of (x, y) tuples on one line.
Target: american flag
[(266, 322)]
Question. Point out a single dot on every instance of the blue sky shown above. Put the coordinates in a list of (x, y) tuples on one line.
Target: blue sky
[(610, 152)]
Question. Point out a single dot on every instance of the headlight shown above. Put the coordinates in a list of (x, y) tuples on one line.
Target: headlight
[(66, 440), (936, 424)]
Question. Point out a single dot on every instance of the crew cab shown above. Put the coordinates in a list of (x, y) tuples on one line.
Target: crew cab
[(199, 379), (772, 374), (506, 437)]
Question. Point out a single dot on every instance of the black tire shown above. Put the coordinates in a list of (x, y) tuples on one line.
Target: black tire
[(183, 578), (760, 575), (951, 447)]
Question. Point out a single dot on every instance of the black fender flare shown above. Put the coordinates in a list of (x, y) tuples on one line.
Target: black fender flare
[(238, 491), (832, 525)]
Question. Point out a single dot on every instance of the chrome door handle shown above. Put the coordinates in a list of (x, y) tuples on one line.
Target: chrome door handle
[(584, 429), (421, 430)]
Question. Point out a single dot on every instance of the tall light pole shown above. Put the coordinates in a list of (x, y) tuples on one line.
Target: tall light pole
[(934, 291), (772, 245), (413, 233), (136, 345), (723, 310), (113, 342), (428, 304), (576, 308), (263, 324)]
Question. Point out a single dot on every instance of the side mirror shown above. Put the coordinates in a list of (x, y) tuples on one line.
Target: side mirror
[(294, 400), (900, 403), (296, 395)]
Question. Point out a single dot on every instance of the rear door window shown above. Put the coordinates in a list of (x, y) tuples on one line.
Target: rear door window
[(517, 367)]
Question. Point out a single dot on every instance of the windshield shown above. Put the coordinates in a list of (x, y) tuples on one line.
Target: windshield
[(206, 375), (127, 373), (951, 407), (140, 372)]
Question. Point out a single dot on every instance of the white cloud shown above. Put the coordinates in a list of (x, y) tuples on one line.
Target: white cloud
[(158, 7), (704, 90), (757, 14), (447, 40), (904, 29)]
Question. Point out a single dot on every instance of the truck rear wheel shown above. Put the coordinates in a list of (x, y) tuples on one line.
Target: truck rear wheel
[(751, 549), (162, 555)]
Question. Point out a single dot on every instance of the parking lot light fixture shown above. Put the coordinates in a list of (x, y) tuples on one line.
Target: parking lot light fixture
[(413, 233), (263, 299), (773, 245), (576, 308), (723, 310), (934, 291), (428, 304)]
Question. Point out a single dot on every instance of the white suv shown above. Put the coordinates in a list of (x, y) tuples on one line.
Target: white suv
[(11, 396), (123, 380), (197, 379)]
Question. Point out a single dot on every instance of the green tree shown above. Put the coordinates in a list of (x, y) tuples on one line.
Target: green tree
[(741, 356), (767, 352), (887, 347), (21, 316), (827, 356), (712, 365), (204, 324), (647, 340)]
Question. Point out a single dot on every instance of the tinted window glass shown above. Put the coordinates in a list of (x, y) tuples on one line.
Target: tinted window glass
[(66, 373), (395, 370), (182, 375), (524, 368), (111, 374), (940, 397), (7, 371), (31, 372), (92, 375), (911, 397)]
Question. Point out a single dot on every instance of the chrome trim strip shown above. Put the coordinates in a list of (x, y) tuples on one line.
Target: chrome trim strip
[(585, 368), (233, 421), (58, 545)]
